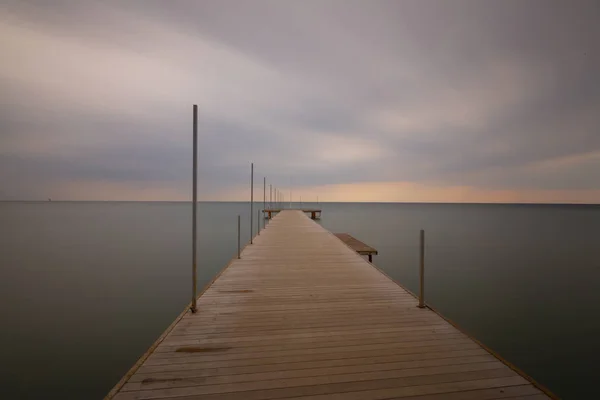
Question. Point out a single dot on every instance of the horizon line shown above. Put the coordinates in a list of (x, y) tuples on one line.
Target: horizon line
[(298, 202)]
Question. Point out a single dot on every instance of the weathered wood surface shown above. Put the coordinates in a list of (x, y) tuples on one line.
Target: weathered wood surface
[(302, 316), (356, 245)]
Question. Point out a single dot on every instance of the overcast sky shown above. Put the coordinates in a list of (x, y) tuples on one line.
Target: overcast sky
[(484, 101)]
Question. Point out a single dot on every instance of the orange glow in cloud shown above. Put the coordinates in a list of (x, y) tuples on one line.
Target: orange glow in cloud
[(356, 192), (416, 192)]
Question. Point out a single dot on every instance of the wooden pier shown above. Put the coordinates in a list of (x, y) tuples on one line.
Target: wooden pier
[(314, 213), (303, 316)]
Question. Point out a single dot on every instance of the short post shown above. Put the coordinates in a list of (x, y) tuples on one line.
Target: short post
[(239, 225), (251, 200), (422, 271), (257, 222)]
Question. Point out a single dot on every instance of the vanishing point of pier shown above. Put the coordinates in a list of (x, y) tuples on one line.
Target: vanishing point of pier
[(301, 315)]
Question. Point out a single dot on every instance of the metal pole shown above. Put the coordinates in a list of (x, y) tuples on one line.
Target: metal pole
[(422, 272), (194, 205), (257, 222), (239, 226), (264, 200), (251, 200), (270, 196)]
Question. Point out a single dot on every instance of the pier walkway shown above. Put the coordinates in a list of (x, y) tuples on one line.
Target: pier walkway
[(303, 316)]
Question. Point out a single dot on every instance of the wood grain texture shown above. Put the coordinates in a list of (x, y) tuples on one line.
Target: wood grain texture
[(301, 315)]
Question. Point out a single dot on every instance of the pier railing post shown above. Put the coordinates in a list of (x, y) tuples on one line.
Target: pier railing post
[(194, 206), (257, 222), (238, 232), (422, 270)]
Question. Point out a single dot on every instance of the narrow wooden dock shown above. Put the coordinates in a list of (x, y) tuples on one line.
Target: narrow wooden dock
[(356, 245), (302, 316)]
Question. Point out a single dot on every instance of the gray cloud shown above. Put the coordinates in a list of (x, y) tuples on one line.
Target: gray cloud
[(486, 94)]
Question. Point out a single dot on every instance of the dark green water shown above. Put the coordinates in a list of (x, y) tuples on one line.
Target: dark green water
[(87, 287)]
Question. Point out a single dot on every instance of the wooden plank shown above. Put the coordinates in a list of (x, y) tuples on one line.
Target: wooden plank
[(302, 315), (301, 362), (311, 343), (313, 355), (482, 394), (263, 390), (271, 380), (223, 353), (500, 389), (311, 368)]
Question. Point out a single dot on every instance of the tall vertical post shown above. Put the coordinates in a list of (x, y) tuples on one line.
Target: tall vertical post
[(422, 271), (239, 230), (270, 196), (251, 200), (257, 222), (264, 200), (194, 206)]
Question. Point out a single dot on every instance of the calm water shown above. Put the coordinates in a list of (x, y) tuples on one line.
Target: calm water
[(86, 288)]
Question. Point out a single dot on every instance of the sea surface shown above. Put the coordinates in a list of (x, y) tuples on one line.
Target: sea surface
[(86, 287)]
